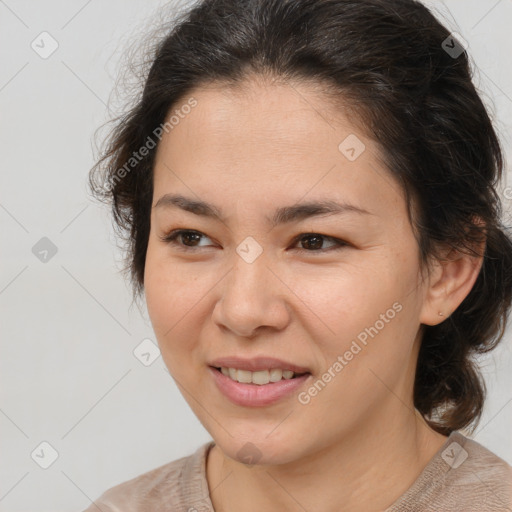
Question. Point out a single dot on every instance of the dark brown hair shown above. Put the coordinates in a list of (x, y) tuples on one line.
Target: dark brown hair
[(399, 69)]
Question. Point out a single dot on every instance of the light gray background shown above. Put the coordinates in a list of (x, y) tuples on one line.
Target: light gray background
[(69, 375)]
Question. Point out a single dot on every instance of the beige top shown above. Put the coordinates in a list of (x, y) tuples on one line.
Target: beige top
[(463, 476)]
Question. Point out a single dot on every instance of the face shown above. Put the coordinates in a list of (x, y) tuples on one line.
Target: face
[(337, 294)]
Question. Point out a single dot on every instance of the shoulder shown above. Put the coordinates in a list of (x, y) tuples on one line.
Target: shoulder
[(180, 485), (483, 478), (463, 475)]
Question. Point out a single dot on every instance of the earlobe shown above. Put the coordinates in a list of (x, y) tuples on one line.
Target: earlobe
[(449, 284)]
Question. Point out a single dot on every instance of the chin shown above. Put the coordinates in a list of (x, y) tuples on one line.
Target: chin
[(259, 449)]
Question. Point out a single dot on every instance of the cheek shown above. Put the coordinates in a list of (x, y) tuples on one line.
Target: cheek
[(342, 300), (367, 313), (173, 297)]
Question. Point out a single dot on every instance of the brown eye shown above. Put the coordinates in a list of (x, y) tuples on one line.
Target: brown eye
[(190, 238), (184, 238), (312, 242)]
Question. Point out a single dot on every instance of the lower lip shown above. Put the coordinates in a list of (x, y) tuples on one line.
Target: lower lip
[(255, 395)]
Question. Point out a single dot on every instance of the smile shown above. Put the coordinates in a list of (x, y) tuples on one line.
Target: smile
[(260, 377), (257, 389)]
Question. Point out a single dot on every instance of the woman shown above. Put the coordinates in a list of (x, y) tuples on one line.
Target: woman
[(309, 193)]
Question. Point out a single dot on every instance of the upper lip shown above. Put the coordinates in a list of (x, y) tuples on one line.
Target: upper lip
[(256, 364)]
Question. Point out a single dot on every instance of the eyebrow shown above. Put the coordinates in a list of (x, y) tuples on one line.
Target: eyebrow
[(282, 215)]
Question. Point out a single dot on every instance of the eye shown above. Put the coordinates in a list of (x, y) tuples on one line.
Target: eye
[(314, 241), (187, 239), (187, 236)]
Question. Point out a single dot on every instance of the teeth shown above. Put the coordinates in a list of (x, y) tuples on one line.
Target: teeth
[(260, 377), (275, 374), (244, 376)]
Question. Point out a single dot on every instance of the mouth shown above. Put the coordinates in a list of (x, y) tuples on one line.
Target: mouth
[(260, 388), (258, 378)]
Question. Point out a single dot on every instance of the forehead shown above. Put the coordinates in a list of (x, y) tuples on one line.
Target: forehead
[(259, 112), (243, 121), (265, 140)]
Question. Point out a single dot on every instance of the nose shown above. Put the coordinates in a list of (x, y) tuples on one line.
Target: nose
[(252, 298)]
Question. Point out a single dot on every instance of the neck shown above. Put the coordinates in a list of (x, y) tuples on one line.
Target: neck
[(367, 469)]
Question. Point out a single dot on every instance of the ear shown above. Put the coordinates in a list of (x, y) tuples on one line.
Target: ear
[(449, 284)]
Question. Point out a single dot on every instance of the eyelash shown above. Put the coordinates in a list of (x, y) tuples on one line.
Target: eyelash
[(171, 238)]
